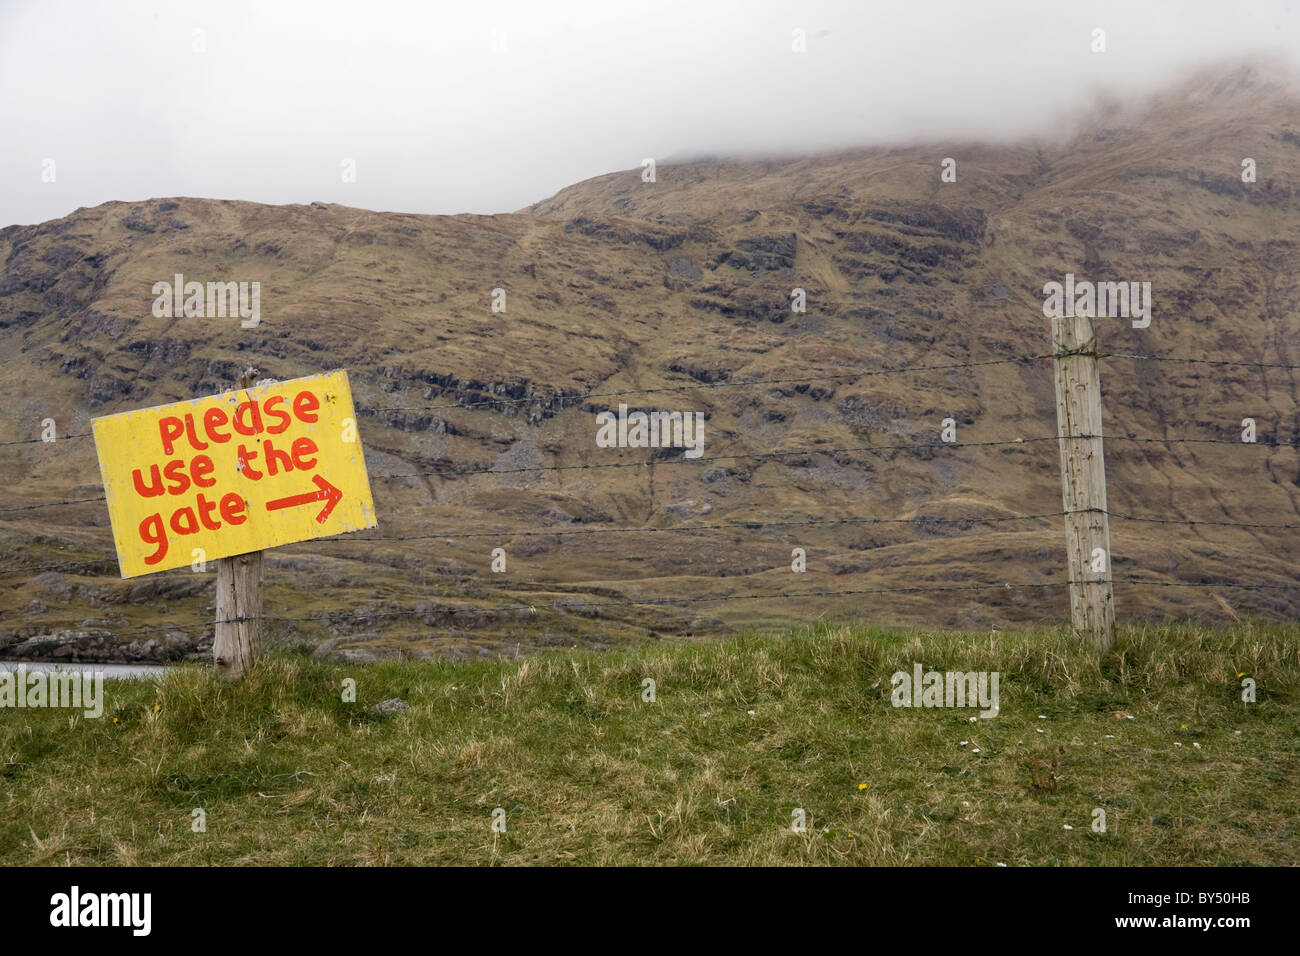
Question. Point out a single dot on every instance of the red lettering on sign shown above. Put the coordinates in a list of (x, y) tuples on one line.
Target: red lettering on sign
[(213, 419), (191, 525), (245, 467), (194, 438), (175, 471), (304, 403), (200, 468), (200, 471), (248, 418), (193, 483), (206, 508), (279, 413), (276, 459), (304, 446), (231, 506), (151, 532), (170, 428), (155, 485)]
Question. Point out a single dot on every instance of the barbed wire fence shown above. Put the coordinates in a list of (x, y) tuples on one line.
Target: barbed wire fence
[(474, 401)]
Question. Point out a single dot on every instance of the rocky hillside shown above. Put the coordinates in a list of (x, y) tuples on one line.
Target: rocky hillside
[(681, 288)]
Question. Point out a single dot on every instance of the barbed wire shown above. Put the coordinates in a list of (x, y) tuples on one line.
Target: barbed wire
[(47, 441), (323, 617), (688, 386), (564, 399), (758, 525), (1291, 443), (748, 525), (1191, 522), (1195, 361), (90, 562), (1237, 585), (329, 618), (52, 504), (828, 451), (874, 449), (752, 525), (682, 459)]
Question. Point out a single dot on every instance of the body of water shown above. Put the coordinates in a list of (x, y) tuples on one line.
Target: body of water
[(110, 671)]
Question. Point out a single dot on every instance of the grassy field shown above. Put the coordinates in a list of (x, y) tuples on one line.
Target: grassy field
[(741, 734)]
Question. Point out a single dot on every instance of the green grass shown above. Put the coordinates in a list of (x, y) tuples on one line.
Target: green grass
[(742, 732)]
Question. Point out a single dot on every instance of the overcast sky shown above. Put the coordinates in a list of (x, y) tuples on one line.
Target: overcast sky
[(483, 106)]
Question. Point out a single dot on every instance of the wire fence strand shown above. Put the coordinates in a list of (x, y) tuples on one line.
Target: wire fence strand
[(326, 618), (567, 400)]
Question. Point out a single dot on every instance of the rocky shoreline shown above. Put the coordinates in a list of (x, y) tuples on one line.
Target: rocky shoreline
[(90, 643)]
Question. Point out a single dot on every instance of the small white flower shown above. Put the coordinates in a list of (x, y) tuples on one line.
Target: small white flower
[(1068, 827), (751, 713), (1110, 736), (975, 750), (1196, 745), (1039, 730), (1042, 716), (1001, 864), (971, 719), (965, 742), (1129, 717)]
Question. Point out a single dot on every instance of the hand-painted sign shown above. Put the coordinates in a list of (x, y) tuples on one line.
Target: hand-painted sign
[(233, 473)]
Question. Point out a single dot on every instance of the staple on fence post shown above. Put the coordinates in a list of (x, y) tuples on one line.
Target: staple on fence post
[(237, 639), (1083, 477)]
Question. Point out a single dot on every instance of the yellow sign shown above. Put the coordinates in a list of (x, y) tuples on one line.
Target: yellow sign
[(251, 469)]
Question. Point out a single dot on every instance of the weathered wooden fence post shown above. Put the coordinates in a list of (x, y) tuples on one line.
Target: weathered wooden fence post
[(238, 636), (239, 610), (1083, 477)]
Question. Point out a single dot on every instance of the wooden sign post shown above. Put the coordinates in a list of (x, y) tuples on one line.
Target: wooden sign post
[(225, 477), (1083, 478), (237, 639)]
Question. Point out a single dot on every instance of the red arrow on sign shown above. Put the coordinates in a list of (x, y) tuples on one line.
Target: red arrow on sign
[(327, 493)]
